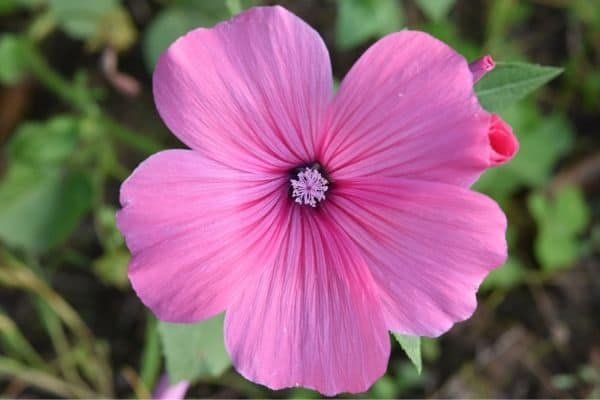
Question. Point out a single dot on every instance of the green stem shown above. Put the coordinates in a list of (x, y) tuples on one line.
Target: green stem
[(151, 356), (42, 380), (126, 135)]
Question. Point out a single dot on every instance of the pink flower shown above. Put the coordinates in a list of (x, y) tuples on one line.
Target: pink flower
[(318, 223)]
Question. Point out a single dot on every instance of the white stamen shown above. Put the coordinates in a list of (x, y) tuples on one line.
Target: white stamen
[(309, 188)]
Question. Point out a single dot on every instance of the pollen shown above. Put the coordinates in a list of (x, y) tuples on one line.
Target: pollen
[(309, 188)]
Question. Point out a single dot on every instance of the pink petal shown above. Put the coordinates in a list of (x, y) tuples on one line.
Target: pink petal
[(197, 230), (503, 143), (407, 108), (429, 246), (481, 66), (250, 92), (311, 318)]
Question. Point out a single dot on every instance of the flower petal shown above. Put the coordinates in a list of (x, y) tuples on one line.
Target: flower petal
[(407, 108), (190, 224), (429, 246), (312, 318), (250, 92)]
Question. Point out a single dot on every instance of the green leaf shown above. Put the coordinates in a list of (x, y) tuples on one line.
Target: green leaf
[(176, 20), (111, 268), (40, 208), (412, 347), (384, 388), (80, 19), (12, 66), (509, 82), (44, 143), (435, 9), (560, 221), (361, 20), (505, 277), (194, 350)]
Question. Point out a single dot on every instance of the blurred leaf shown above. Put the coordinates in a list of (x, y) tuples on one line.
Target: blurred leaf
[(96, 22), (448, 33), (9, 6), (559, 222), (176, 20), (194, 350), (39, 209), (80, 19), (407, 377), (111, 268), (384, 388), (106, 226), (115, 29), (505, 277), (412, 347), (361, 20), (430, 348), (435, 10), (509, 82), (502, 18), (12, 66), (44, 143)]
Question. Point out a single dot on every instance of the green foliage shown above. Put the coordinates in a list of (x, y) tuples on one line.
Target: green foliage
[(412, 347), (41, 201), (194, 351), (95, 22), (509, 82), (436, 10), (361, 20), (44, 144), (40, 209), (448, 33), (560, 220), (80, 19), (384, 388), (506, 276), (111, 268), (12, 66)]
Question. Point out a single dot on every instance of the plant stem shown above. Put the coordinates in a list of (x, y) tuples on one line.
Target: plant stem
[(42, 380)]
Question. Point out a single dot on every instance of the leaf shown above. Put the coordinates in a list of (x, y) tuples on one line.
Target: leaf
[(40, 208), (505, 277), (560, 221), (12, 66), (361, 20), (80, 19), (194, 350), (509, 82), (435, 9), (412, 347), (44, 143), (176, 20), (111, 268)]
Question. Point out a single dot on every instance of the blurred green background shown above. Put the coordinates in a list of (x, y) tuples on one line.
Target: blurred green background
[(77, 115)]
